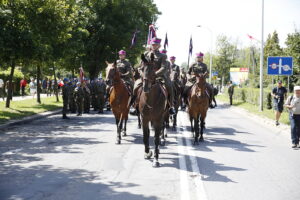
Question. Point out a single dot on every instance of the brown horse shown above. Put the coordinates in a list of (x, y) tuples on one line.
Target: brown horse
[(152, 106), (177, 87), (198, 105), (118, 99), (137, 76)]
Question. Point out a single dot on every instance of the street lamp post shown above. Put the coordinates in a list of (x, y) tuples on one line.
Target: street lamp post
[(211, 47), (261, 59)]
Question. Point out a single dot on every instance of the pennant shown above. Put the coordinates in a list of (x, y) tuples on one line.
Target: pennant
[(81, 74), (166, 44), (134, 38), (191, 46), (151, 33)]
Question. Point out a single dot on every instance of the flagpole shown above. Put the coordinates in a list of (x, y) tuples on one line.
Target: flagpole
[(261, 59)]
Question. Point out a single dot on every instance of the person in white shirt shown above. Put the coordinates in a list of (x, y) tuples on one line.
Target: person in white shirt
[(32, 86), (293, 104), (2, 88)]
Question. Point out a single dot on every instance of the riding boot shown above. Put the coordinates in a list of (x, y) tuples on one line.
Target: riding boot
[(65, 116)]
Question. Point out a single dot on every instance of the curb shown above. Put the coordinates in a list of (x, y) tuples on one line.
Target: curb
[(281, 129), (29, 119)]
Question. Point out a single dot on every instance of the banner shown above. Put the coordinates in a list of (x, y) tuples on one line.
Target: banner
[(239, 75)]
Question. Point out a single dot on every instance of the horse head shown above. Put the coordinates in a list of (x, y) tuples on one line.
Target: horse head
[(200, 84), (112, 72), (148, 72)]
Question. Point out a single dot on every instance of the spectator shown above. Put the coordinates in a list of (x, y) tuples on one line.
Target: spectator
[(2, 88), (32, 86), (23, 84), (279, 93), (44, 85), (230, 91), (293, 104)]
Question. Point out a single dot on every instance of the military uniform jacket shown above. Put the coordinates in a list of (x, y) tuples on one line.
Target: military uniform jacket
[(196, 68), (160, 63), (78, 93), (125, 69), (65, 91), (175, 68)]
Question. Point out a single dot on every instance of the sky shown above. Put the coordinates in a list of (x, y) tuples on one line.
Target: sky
[(233, 18)]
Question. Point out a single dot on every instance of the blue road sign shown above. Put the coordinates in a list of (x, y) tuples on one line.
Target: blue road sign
[(215, 73), (280, 66)]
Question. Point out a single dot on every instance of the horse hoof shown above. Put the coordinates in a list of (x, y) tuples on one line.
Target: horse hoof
[(139, 126), (201, 139), (166, 135), (118, 141), (195, 142), (155, 164), (148, 155), (124, 134)]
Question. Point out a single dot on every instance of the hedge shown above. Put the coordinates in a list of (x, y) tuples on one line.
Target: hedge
[(251, 95), (18, 75)]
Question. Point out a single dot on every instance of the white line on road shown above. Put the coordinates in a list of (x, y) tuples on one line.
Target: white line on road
[(13, 151), (37, 141), (184, 184), (201, 194)]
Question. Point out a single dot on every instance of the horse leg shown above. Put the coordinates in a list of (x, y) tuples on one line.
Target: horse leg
[(192, 127), (162, 136), (146, 135), (139, 119), (118, 140), (196, 128), (156, 142), (174, 122), (124, 129), (202, 126)]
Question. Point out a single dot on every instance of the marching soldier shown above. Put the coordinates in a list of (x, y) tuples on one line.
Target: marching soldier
[(65, 96), (174, 67), (87, 96), (79, 97), (195, 68), (161, 65), (72, 103), (100, 95)]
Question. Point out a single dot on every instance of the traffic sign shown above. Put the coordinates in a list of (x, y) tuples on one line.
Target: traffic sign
[(280, 66)]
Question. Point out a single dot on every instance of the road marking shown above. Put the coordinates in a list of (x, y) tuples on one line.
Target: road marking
[(201, 194), (184, 184), (38, 141), (12, 151)]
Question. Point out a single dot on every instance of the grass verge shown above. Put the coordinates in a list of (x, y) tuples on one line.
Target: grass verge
[(24, 108), (255, 109)]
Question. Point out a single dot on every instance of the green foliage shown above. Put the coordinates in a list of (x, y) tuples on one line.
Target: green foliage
[(20, 109), (18, 75)]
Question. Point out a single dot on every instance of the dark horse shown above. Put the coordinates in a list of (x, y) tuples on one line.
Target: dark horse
[(198, 105), (177, 87), (152, 106), (118, 99)]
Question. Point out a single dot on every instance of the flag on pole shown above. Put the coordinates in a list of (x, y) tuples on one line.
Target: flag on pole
[(166, 44), (250, 37), (81, 74), (134, 38), (191, 47), (151, 33)]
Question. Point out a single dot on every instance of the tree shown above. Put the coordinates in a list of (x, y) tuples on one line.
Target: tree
[(50, 23), (15, 38), (293, 49), (226, 56)]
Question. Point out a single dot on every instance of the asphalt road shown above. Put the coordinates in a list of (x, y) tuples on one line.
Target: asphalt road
[(241, 158)]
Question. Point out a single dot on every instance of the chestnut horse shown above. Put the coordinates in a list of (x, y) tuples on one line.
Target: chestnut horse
[(198, 105), (119, 98), (152, 106)]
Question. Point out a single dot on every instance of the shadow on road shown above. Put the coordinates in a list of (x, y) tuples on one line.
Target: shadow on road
[(45, 182)]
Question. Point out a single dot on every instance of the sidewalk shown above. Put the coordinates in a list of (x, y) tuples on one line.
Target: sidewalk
[(20, 98), (281, 129)]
